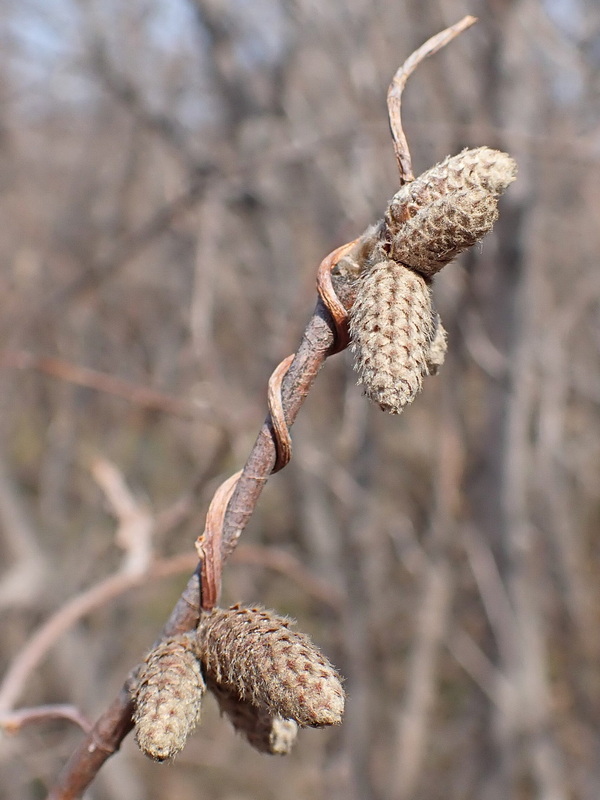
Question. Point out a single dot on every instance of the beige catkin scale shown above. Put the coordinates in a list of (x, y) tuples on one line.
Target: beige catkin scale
[(167, 698), (392, 326), (267, 733), (253, 655)]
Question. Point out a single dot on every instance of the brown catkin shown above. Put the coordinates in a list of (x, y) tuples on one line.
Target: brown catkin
[(392, 326), (479, 169), (167, 698), (266, 733), (253, 655), (443, 229)]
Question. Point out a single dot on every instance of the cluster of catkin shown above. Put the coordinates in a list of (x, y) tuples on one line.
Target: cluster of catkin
[(267, 679), (397, 337)]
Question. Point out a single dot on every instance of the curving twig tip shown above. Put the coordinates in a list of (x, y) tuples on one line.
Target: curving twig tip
[(394, 96)]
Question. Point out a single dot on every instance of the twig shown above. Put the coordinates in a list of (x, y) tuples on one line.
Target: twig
[(40, 642), (398, 83), (136, 523), (318, 341), (13, 722), (99, 381)]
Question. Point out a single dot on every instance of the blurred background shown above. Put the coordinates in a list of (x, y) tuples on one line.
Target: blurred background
[(171, 174)]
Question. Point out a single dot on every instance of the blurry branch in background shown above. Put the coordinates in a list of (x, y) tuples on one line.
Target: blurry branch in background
[(134, 393), (12, 722), (23, 581), (128, 95)]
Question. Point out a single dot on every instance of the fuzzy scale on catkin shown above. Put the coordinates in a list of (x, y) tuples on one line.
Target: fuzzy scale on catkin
[(167, 699), (267, 733), (253, 655), (392, 326)]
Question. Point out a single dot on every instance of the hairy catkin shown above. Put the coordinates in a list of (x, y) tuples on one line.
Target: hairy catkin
[(443, 229), (478, 169), (253, 655), (266, 732), (392, 326), (167, 698)]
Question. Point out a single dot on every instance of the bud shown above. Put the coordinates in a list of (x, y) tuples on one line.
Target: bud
[(265, 732), (167, 698), (253, 655), (392, 327)]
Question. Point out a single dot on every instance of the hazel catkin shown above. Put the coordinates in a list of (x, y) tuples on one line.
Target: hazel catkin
[(392, 327), (169, 692), (443, 229), (253, 655), (481, 168), (266, 732)]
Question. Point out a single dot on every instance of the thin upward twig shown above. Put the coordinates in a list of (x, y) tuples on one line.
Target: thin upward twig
[(394, 97)]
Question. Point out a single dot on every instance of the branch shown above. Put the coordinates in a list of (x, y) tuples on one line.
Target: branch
[(317, 343), (13, 722), (234, 502)]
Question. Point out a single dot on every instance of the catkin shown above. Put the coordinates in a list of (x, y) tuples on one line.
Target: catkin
[(443, 229), (254, 656), (167, 699), (267, 733), (478, 169), (392, 327)]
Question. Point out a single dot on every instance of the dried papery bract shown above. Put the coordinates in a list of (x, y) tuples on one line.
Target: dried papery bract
[(168, 697), (266, 732), (392, 326), (253, 655)]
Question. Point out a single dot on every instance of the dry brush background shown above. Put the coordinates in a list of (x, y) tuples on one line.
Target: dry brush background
[(171, 174)]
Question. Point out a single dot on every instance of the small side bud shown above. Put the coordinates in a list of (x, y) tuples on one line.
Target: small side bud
[(392, 328), (254, 656), (167, 698), (266, 733)]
